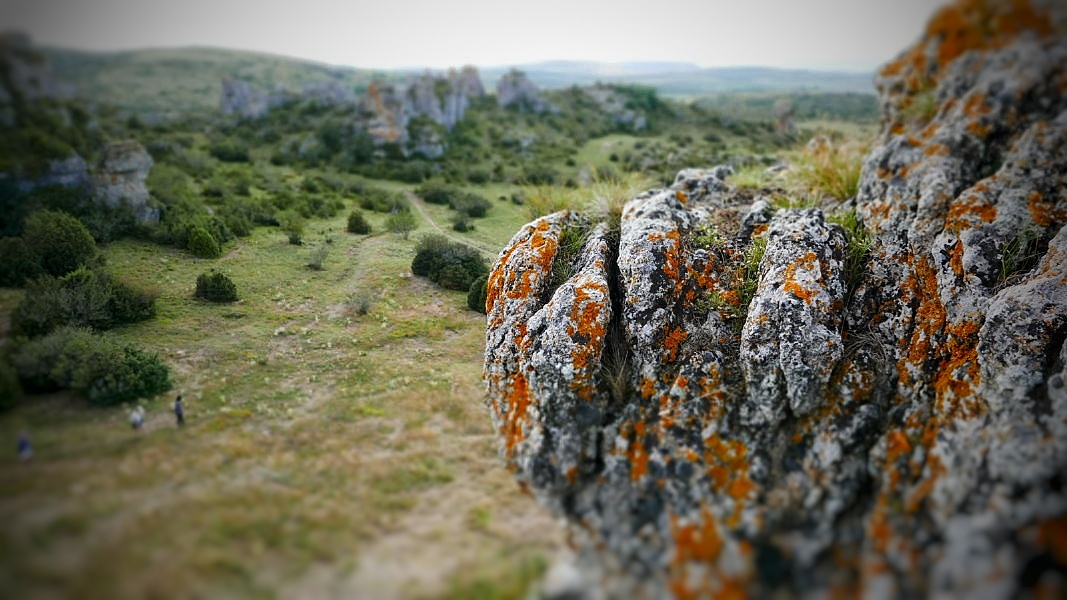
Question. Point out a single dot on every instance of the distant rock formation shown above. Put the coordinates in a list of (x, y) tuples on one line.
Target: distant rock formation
[(767, 412), (614, 104), (389, 109), (121, 180), (241, 99), (516, 89)]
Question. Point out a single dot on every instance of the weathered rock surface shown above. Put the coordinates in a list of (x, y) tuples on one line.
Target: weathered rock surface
[(121, 179), (516, 89), (768, 410), (242, 99)]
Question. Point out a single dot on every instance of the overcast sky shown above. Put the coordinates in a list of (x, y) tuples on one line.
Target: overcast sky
[(834, 34)]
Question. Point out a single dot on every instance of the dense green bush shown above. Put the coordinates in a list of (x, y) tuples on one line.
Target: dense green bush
[(476, 294), (84, 298), (104, 371), (452, 266), (437, 192), (202, 244), (230, 151), (60, 242), (215, 287), (10, 390), (472, 205), (17, 263), (357, 223), (383, 201)]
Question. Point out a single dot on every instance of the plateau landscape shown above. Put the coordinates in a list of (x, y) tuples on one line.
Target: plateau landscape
[(608, 325)]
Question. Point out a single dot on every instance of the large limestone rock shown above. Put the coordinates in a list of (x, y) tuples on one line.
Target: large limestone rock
[(767, 410), (240, 98), (121, 179)]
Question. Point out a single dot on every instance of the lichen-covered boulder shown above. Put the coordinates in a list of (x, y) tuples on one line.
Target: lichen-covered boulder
[(718, 396)]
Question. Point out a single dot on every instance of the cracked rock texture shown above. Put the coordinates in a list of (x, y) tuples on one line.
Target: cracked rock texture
[(766, 412)]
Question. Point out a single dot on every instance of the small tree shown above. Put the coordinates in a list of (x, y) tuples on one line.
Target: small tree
[(202, 244), (357, 223), (401, 222), (215, 287), (292, 224), (60, 242)]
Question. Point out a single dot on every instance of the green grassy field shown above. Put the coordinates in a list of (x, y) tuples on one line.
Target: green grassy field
[(327, 453)]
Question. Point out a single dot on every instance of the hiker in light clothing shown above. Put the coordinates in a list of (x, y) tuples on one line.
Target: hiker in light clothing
[(137, 417)]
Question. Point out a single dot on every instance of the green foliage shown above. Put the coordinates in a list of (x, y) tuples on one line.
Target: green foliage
[(547, 199), (230, 151), (571, 242), (17, 263), (60, 242), (10, 390), (83, 298), (452, 266), (106, 372), (202, 244), (383, 201), (357, 223), (215, 287), (317, 258), (611, 193), (1018, 256), (858, 246), (292, 223), (476, 294), (401, 222)]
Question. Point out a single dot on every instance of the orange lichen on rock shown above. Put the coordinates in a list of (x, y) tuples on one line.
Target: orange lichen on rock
[(805, 290), (1045, 212), (518, 400), (636, 452), (586, 323), (673, 342), (698, 541)]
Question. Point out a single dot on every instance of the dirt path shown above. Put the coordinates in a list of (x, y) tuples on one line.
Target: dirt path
[(420, 207)]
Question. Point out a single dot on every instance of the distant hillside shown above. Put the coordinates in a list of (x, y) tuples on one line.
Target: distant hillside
[(181, 79), (681, 79)]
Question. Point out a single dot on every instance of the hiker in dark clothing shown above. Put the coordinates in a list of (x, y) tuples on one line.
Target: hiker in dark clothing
[(25, 449), (178, 412)]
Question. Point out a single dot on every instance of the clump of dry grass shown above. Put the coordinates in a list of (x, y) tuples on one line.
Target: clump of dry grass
[(826, 169)]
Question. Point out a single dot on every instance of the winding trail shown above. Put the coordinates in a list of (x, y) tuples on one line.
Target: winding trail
[(420, 207)]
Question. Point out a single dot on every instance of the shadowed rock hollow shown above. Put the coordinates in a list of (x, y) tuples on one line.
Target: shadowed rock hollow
[(771, 409)]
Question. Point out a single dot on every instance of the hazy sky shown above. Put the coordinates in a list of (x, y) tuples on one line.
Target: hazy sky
[(838, 34)]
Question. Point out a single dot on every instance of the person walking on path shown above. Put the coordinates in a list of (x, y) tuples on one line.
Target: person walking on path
[(137, 417), (179, 414), (24, 446)]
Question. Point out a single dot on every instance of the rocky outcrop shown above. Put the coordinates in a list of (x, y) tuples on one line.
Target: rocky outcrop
[(242, 99), (26, 75), (516, 89), (612, 103), (435, 103), (121, 179), (721, 397)]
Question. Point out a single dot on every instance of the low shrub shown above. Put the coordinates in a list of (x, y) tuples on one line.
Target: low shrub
[(452, 266), (215, 287), (383, 201), (17, 263), (357, 223), (317, 258), (83, 298), (202, 244), (103, 370), (476, 294), (401, 222)]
